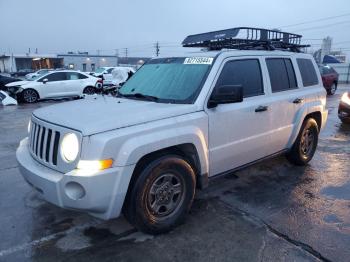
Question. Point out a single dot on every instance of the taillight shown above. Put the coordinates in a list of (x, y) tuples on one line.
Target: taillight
[(99, 82)]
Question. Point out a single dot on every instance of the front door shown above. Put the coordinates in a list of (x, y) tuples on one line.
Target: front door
[(54, 87), (240, 133)]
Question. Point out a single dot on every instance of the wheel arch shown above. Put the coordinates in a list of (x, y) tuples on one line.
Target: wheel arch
[(30, 88), (187, 151), (312, 112)]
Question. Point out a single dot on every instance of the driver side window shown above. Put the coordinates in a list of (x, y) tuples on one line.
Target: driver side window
[(246, 73)]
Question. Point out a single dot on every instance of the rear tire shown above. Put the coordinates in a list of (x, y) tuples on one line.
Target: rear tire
[(305, 145), (89, 90), (332, 90), (30, 96), (162, 195)]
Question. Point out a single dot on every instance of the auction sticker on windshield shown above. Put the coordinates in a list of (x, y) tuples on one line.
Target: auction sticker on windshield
[(198, 61)]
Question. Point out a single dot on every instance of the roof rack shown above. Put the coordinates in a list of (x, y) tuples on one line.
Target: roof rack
[(246, 38)]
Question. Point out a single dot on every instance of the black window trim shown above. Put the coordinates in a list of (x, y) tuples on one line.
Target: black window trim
[(289, 78), (232, 59)]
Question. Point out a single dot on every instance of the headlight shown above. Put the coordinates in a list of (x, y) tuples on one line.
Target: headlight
[(29, 126), (345, 98), (70, 147)]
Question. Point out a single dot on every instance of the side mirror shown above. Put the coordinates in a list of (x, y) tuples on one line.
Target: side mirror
[(226, 94), (45, 80)]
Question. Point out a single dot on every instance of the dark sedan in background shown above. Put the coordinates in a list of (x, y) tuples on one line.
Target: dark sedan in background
[(329, 79), (4, 80), (344, 108), (22, 72)]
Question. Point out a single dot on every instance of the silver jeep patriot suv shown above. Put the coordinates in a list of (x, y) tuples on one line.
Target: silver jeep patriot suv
[(179, 121)]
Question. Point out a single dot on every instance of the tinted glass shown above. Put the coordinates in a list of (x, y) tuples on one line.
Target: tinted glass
[(81, 76), (243, 72), (291, 74), (307, 71), (281, 72), (54, 77), (72, 76)]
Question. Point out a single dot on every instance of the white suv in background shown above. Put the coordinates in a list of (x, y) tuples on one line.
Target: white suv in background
[(55, 84), (178, 122)]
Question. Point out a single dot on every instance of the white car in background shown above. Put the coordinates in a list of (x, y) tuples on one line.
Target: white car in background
[(119, 75), (55, 84), (40, 72), (102, 71)]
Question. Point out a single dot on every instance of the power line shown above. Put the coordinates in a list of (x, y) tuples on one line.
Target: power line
[(323, 26), (316, 20)]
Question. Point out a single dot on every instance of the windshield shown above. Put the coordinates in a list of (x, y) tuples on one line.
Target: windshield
[(100, 70), (172, 80)]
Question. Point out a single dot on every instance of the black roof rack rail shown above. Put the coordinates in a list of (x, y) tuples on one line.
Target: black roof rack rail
[(246, 38)]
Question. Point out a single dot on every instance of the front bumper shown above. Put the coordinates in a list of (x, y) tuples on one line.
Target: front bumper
[(344, 112), (101, 193)]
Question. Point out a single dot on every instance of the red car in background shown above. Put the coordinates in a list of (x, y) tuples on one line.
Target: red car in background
[(329, 79)]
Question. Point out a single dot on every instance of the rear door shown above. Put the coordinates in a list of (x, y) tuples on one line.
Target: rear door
[(239, 133), (286, 99), (75, 83)]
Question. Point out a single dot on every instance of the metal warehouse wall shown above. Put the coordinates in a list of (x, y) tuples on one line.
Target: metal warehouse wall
[(343, 70), (88, 63)]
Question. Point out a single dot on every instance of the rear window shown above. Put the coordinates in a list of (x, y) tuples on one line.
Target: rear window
[(243, 72), (307, 71), (281, 72)]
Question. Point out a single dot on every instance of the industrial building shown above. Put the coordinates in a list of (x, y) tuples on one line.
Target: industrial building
[(82, 61)]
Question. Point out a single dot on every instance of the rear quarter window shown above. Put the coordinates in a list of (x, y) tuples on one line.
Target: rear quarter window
[(307, 71)]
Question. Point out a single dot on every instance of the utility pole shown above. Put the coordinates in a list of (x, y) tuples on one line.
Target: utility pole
[(126, 55), (117, 56), (156, 45), (98, 57)]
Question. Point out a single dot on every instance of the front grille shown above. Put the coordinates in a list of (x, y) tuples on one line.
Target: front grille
[(44, 143)]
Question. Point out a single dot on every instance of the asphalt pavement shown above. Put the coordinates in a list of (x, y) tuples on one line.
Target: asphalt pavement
[(272, 211)]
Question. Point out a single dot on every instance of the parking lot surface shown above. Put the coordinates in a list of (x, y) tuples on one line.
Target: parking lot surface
[(272, 211)]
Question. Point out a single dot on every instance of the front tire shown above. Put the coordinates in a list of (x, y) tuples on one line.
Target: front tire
[(305, 145), (30, 96), (89, 90), (161, 195)]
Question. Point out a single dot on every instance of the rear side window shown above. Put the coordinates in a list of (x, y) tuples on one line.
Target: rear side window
[(281, 72), (243, 72), (307, 71)]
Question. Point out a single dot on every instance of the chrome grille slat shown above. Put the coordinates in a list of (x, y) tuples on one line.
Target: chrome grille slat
[(38, 142), (44, 144), (35, 138), (48, 146)]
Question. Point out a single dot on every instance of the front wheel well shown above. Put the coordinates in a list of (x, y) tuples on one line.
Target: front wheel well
[(187, 151)]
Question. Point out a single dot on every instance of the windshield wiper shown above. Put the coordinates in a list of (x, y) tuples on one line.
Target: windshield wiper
[(141, 96)]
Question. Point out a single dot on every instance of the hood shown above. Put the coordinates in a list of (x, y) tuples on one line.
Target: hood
[(99, 114), (18, 83)]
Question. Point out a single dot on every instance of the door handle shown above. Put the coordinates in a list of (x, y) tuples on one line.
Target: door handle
[(261, 108), (298, 100)]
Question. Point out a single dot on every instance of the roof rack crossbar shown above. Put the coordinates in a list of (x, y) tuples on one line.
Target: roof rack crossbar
[(246, 38)]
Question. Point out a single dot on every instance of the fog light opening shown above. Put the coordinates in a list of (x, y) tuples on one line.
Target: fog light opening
[(74, 190)]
